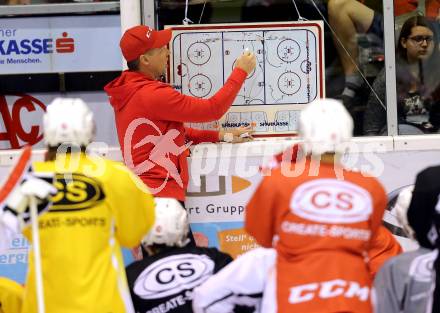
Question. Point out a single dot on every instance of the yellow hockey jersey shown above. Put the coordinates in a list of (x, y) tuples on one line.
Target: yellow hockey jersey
[(100, 206), (11, 296)]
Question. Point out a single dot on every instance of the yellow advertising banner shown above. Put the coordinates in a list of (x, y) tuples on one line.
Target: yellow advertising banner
[(236, 241)]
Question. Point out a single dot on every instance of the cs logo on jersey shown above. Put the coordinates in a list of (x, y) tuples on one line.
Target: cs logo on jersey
[(331, 201), (172, 275), (76, 192)]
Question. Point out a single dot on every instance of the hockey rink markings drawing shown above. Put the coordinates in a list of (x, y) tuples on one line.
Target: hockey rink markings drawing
[(199, 53), (286, 63), (200, 85), (288, 50), (288, 71)]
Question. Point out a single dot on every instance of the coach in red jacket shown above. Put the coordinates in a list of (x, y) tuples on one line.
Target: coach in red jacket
[(150, 114)]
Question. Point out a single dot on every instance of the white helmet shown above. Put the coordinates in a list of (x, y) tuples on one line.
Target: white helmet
[(170, 226), (401, 208), (324, 125), (68, 121)]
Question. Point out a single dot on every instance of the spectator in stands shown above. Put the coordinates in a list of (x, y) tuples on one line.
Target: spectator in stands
[(418, 87), (432, 7), (347, 18), (171, 268)]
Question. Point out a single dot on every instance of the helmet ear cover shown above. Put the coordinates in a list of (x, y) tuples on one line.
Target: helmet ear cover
[(325, 126), (171, 224), (68, 121)]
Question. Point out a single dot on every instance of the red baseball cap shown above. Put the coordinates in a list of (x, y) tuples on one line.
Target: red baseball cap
[(139, 39)]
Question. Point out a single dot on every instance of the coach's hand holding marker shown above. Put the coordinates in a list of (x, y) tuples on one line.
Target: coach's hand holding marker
[(237, 135), (247, 61), (247, 135)]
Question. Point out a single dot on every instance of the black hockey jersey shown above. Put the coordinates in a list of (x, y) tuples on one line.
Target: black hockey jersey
[(164, 282), (424, 218), (424, 210)]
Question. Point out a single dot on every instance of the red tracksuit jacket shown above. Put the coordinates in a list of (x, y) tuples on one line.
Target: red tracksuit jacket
[(149, 118)]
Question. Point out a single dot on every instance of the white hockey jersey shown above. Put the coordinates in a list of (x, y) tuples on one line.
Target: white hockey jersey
[(249, 282)]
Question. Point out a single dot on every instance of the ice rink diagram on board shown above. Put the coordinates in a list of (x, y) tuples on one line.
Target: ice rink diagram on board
[(288, 75)]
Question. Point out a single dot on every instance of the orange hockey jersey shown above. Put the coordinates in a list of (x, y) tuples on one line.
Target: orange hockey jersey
[(321, 227), (383, 247)]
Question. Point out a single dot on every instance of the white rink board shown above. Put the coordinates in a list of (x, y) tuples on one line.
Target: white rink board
[(289, 72)]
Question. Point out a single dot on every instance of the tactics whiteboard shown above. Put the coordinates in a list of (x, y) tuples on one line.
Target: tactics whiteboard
[(289, 72)]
